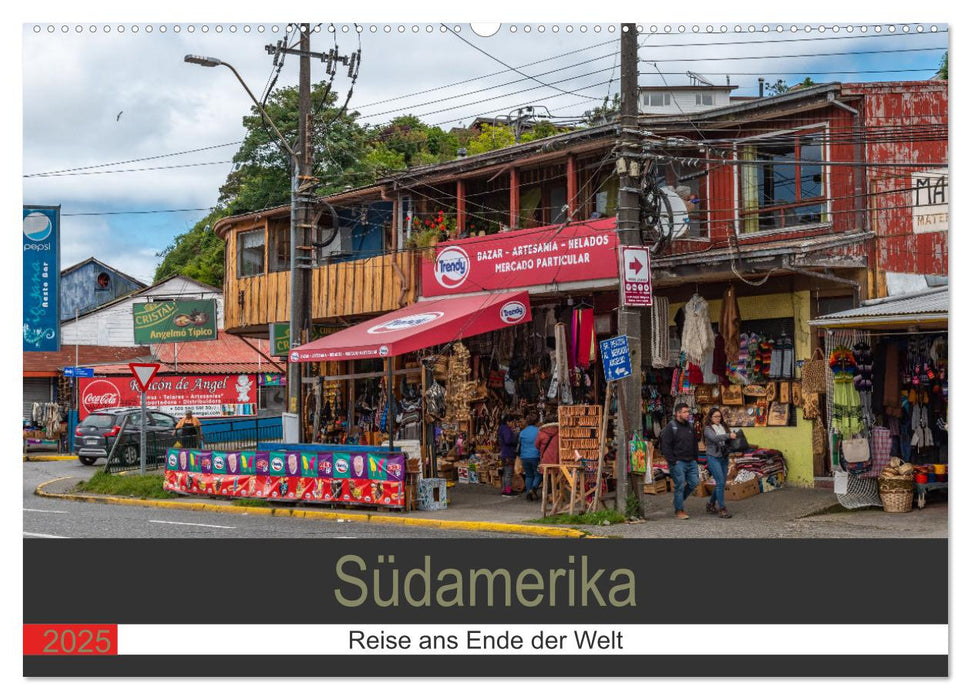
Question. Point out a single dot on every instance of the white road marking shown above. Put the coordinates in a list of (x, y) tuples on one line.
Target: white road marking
[(36, 510), (173, 522), (40, 534)]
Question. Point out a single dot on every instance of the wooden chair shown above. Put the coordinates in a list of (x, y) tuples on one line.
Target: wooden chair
[(564, 489)]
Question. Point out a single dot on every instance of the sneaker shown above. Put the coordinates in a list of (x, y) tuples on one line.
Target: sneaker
[(681, 515), (529, 495), (723, 513), (710, 508)]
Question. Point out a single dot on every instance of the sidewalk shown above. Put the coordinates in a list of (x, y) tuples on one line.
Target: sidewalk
[(785, 513)]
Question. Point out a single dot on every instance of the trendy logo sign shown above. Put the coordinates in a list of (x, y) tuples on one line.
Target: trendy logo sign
[(452, 267), (100, 394), (405, 322), (512, 312)]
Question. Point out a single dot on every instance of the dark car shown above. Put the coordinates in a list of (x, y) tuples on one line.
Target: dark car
[(97, 433)]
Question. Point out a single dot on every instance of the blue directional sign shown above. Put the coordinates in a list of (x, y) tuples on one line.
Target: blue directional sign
[(79, 371), (615, 355)]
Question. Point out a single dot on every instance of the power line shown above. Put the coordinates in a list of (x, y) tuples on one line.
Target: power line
[(134, 170), (501, 62), (131, 213), (133, 160)]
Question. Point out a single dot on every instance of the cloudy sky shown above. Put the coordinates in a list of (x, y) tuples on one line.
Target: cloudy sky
[(106, 114)]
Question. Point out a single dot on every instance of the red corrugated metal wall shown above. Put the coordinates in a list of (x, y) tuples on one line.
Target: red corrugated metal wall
[(906, 113)]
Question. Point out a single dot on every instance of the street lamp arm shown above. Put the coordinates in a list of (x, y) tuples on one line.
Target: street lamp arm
[(211, 62)]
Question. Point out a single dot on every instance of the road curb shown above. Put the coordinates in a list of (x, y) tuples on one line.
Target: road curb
[(469, 525), (50, 458)]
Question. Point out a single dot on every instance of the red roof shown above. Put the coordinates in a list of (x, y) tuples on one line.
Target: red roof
[(228, 354), (50, 364)]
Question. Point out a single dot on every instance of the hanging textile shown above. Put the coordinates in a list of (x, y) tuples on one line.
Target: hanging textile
[(707, 367), (585, 336), (698, 337), (660, 346), (560, 381), (863, 382), (847, 415), (922, 436), (730, 325)]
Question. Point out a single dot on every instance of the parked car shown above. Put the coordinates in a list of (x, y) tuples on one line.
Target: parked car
[(97, 433)]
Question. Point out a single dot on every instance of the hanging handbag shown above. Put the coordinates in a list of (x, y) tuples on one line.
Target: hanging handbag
[(814, 374), (856, 450), (810, 406)]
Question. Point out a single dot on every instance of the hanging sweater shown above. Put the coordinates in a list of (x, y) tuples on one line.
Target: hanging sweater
[(698, 337)]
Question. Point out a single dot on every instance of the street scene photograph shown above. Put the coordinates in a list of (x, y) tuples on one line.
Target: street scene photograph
[(515, 280)]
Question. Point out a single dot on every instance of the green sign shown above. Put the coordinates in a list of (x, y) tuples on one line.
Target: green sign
[(175, 321), (280, 337)]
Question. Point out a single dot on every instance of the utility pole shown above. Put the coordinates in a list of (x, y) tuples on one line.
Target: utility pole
[(628, 233), (301, 214)]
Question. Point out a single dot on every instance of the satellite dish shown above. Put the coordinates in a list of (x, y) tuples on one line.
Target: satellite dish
[(673, 220)]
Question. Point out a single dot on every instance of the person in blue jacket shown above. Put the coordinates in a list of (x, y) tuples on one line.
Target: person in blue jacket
[(529, 454)]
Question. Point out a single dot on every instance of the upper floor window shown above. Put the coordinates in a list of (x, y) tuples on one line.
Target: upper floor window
[(704, 98), (279, 248), (659, 99), (783, 185), (251, 245)]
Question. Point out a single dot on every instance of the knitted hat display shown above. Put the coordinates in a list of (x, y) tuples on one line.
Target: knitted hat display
[(863, 356)]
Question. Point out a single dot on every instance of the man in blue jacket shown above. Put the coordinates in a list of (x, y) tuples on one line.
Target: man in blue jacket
[(680, 449)]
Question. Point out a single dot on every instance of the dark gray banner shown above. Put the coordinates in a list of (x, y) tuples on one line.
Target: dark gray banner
[(486, 581)]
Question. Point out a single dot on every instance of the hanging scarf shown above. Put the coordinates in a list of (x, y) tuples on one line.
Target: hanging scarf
[(660, 318), (731, 324), (698, 337)]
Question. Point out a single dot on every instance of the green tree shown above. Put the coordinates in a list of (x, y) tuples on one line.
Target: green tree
[(942, 71), (604, 113), (198, 253), (780, 87)]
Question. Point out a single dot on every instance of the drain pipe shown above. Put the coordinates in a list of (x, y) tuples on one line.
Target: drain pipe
[(786, 265)]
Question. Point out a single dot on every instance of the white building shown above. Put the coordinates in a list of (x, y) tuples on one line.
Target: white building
[(111, 325), (683, 99)]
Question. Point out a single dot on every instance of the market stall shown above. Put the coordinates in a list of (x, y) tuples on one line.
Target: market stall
[(887, 397)]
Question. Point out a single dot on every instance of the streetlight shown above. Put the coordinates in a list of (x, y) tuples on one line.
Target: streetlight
[(296, 315)]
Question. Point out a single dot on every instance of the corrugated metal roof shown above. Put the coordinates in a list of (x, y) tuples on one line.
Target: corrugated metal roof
[(228, 354), (929, 303), (51, 363)]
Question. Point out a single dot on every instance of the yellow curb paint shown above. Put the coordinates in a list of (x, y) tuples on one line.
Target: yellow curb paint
[(512, 528), (50, 458)]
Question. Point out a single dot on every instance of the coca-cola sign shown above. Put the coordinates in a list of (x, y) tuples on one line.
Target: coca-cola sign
[(207, 395), (99, 394)]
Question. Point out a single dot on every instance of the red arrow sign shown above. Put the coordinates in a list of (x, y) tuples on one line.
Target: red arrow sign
[(144, 373), (636, 265)]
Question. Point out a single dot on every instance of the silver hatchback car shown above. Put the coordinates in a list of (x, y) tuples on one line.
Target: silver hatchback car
[(96, 434)]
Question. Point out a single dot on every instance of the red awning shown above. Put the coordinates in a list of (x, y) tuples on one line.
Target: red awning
[(421, 325)]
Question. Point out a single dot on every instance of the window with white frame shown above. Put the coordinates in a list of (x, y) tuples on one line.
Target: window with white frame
[(704, 98), (782, 182), (660, 99), (251, 245)]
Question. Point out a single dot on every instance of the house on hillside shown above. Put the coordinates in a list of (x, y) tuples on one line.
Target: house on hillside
[(90, 284)]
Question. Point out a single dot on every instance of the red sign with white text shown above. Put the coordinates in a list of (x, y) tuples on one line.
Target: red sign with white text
[(586, 250), (208, 395)]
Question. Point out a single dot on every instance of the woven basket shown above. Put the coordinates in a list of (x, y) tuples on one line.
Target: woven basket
[(814, 374), (897, 495)]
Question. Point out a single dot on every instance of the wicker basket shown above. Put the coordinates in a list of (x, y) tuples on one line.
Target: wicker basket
[(897, 495)]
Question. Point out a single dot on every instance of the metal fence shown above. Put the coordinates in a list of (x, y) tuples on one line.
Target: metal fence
[(124, 453)]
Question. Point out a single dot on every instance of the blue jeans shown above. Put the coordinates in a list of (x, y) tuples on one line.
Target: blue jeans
[(531, 475), (685, 475), (718, 468)]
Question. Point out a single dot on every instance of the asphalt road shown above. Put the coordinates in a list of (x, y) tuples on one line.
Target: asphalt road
[(56, 518)]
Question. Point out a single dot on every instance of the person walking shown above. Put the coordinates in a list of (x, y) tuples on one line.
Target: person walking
[(190, 427), (680, 450), (529, 454), (508, 441), (717, 438)]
